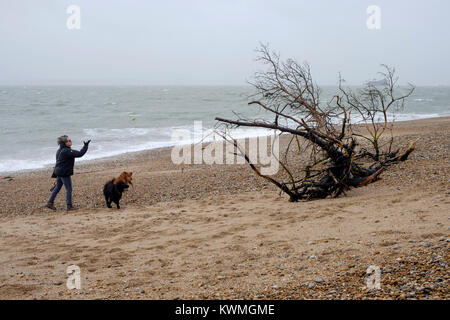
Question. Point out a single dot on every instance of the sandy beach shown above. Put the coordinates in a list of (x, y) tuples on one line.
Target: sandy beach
[(210, 232)]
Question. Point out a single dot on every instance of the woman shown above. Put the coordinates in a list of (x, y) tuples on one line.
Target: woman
[(65, 159)]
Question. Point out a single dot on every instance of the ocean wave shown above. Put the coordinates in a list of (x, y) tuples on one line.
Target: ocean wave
[(117, 133), (117, 141), (12, 165), (423, 99), (416, 116), (114, 142)]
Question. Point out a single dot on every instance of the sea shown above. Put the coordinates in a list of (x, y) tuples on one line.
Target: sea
[(121, 119)]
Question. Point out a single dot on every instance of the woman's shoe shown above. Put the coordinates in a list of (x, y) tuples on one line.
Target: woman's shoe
[(71, 207), (50, 206)]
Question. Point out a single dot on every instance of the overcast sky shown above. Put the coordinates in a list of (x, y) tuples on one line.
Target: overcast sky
[(212, 42)]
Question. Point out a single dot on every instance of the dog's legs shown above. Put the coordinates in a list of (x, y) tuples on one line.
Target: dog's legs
[(117, 204), (108, 202)]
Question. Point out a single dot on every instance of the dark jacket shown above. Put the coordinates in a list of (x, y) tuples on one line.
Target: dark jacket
[(65, 159)]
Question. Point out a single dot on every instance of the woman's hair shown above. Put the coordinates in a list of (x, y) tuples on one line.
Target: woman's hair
[(62, 140)]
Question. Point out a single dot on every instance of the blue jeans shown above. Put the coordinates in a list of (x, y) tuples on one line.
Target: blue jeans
[(67, 181)]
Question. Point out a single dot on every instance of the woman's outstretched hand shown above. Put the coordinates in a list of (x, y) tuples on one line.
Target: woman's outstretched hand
[(86, 143)]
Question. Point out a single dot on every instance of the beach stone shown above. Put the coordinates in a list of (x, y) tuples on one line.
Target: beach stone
[(405, 287), (311, 285), (420, 288), (320, 280)]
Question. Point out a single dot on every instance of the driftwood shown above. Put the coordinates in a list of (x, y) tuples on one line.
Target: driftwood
[(337, 160)]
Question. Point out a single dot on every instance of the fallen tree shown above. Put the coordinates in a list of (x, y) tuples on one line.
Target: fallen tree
[(340, 155)]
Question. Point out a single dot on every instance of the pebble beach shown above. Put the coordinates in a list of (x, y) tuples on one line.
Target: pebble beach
[(221, 232)]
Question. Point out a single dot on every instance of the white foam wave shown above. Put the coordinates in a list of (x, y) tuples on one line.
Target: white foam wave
[(423, 99), (116, 141), (11, 165)]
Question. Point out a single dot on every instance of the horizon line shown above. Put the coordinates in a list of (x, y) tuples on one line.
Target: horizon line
[(179, 85)]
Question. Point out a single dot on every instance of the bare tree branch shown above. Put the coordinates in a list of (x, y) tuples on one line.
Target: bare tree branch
[(330, 158)]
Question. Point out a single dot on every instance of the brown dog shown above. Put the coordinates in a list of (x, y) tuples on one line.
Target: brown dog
[(125, 177)]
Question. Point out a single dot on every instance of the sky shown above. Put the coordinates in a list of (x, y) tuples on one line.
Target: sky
[(213, 42)]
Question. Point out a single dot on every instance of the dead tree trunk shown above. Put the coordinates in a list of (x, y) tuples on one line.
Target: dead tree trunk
[(336, 161)]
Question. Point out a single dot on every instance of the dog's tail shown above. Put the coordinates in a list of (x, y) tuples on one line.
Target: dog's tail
[(105, 187), (112, 181)]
